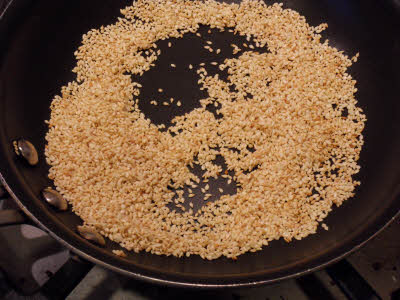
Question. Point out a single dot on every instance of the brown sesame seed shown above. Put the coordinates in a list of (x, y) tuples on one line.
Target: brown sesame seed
[(115, 166)]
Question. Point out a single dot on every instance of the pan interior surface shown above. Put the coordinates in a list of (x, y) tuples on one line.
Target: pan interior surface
[(39, 58)]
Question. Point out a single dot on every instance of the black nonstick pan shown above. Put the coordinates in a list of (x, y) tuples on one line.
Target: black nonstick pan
[(38, 39)]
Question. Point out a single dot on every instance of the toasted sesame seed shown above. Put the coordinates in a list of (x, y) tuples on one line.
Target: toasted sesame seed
[(236, 49), (299, 88), (120, 253)]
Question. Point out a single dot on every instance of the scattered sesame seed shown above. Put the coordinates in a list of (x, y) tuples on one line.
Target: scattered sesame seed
[(132, 162), (236, 49), (120, 253)]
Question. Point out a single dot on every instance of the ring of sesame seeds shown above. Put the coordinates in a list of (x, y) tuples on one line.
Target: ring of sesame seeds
[(302, 121)]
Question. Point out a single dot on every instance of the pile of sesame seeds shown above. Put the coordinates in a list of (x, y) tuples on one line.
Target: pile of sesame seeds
[(290, 132)]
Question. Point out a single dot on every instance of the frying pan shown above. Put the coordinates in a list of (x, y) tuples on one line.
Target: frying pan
[(38, 39)]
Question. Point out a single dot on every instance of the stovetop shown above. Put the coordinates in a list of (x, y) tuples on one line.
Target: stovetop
[(34, 266)]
